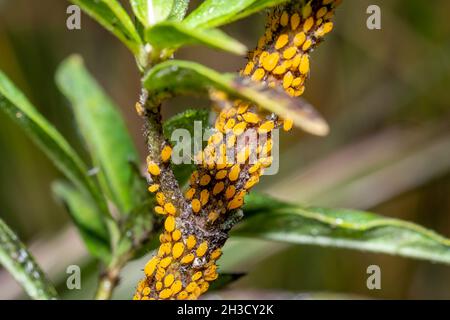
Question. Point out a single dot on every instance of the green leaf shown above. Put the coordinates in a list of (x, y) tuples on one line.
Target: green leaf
[(270, 219), (179, 10), (111, 15), (87, 218), (185, 77), (158, 11), (16, 105), (185, 120), (173, 35), (105, 133), (15, 257), (213, 13)]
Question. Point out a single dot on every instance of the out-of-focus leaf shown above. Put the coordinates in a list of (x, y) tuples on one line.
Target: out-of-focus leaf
[(186, 120), (105, 133), (213, 13), (179, 10), (185, 77), (16, 105), (15, 257), (111, 15), (87, 218), (159, 10), (224, 280), (270, 219), (172, 34)]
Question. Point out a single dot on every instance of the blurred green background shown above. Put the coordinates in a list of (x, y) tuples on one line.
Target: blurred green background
[(384, 92)]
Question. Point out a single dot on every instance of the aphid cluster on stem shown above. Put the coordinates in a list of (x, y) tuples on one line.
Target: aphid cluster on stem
[(196, 227)]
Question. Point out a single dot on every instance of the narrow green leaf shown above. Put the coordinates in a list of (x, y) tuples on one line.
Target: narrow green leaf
[(159, 10), (185, 77), (173, 35), (179, 10), (87, 218), (111, 15), (15, 257), (270, 219), (214, 13), (16, 105), (186, 120), (104, 132)]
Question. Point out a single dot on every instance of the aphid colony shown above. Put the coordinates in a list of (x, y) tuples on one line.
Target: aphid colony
[(194, 233)]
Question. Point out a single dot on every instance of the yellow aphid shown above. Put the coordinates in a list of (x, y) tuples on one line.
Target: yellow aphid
[(321, 12), (299, 92), (279, 70), (230, 124), (201, 249), (295, 21), (299, 39), (146, 291), (150, 267), (216, 138), (176, 235), (160, 271), (153, 188), (271, 61), (211, 270), (231, 112), (263, 56), (266, 127), (306, 10), (166, 153), (287, 80), (257, 76), (288, 124), (254, 168), (190, 193), (284, 20), (205, 179), (170, 208), (221, 174), (196, 205), (239, 128), (261, 42), (297, 81), (251, 182), (194, 177), (165, 237), (164, 249), (329, 15), (164, 263), (218, 188), (248, 68), (197, 276), (160, 198), (182, 295), (168, 280), (212, 277), (308, 24), (169, 224), (251, 117), (242, 108), (160, 210), (154, 169), (282, 41), (190, 242), (304, 64), (177, 250), (213, 216), (176, 287), (234, 172), (327, 27), (290, 91), (216, 254), (187, 258), (204, 197), (158, 285), (307, 45), (191, 286), (166, 293), (204, 287), (289, 53), (235, 203), (229, 193)]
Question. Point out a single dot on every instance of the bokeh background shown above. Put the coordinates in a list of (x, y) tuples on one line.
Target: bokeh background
[(384, 92)]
